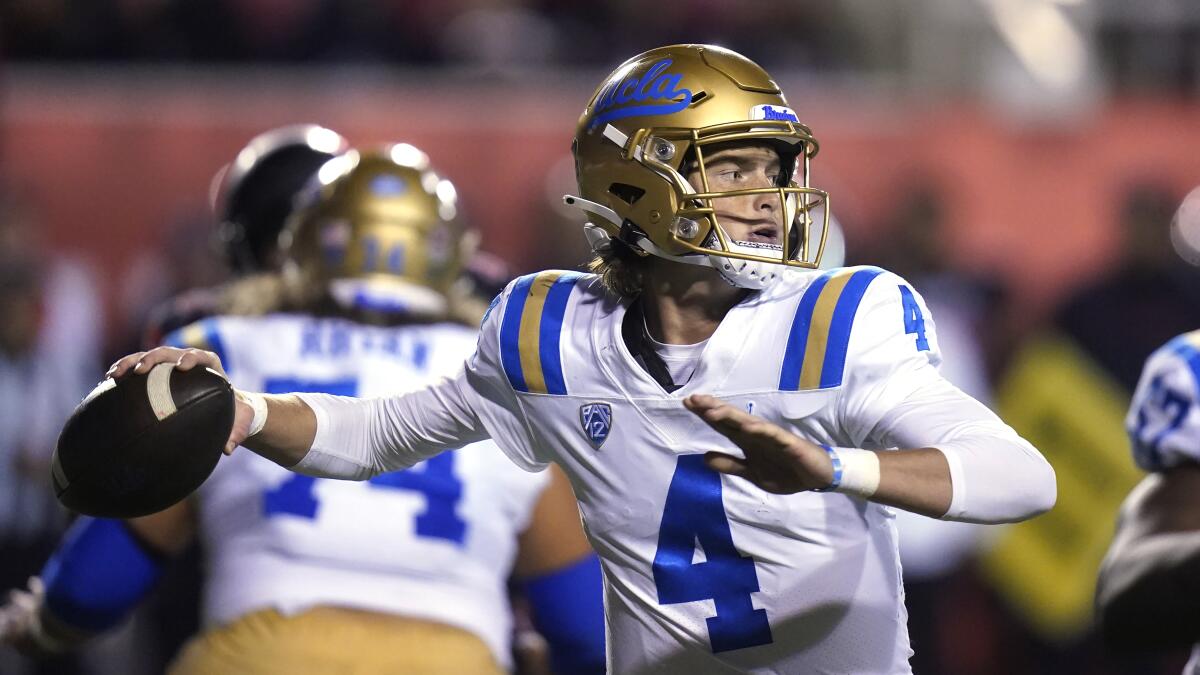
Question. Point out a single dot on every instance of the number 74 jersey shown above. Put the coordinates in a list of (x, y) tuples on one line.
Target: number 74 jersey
[(434, 542), (704, 572)]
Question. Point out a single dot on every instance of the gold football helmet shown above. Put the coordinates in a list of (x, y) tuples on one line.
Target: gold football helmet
[(379, 232), (649, 125)]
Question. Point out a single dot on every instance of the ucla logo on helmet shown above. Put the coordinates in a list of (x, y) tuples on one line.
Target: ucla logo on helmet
[(654, 92), (773, 112), (596, 419)]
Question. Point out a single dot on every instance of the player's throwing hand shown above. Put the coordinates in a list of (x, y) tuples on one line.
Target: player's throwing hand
[(776, 461), (186, 359)]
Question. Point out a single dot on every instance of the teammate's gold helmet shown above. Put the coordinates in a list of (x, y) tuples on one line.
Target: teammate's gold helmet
[(379, 232), (650, 123)]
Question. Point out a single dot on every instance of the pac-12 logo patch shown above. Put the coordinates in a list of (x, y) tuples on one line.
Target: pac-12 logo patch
[(596, 419)]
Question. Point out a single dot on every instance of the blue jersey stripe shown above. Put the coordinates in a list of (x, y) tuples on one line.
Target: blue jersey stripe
[(793, 356), (510, 333), (550, 330), (839, 328)]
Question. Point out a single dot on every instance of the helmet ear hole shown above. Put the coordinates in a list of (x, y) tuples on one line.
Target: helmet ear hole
[(627, 193)]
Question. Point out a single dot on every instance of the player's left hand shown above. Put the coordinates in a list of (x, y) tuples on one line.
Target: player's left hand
[(21, 625), (776, 460)]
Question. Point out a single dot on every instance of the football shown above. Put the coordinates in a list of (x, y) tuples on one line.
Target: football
[(137, 445)]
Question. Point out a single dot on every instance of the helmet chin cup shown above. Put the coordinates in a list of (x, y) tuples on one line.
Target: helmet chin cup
[(749, 274)]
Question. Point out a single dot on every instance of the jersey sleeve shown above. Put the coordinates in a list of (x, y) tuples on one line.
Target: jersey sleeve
[(894, 396), (891, 353), (1164, 419), (487, 389)]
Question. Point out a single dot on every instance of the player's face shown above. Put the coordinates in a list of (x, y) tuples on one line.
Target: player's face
[(742, 166)]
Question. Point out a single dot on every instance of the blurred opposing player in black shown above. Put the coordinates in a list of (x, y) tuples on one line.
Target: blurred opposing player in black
[(252, 197)]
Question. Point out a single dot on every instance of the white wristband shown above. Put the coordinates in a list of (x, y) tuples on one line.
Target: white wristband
[(859, 472), (259, 404)]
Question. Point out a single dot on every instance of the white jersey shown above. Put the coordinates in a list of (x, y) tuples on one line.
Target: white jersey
[(707, 573), (1164, 417), (436, 541)]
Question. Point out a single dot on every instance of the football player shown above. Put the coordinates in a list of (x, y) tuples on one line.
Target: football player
[(405, 573), (251, 198), (1146, 594), (694, 174)]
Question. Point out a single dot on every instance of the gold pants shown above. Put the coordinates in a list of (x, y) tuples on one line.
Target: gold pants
[(333, 641)]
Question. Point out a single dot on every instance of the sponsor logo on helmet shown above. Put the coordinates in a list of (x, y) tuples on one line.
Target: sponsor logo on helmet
[(773, 112), (655, 92)]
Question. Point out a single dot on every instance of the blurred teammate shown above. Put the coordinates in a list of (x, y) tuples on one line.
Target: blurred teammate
[(405, 573), (694, 173), (252, 197), (1148, 592)]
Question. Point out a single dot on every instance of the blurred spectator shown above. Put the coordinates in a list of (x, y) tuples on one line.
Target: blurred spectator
[(1066, 390), (917, 247), (1148, 296), (49, 337), (472, 32), (187, 259)]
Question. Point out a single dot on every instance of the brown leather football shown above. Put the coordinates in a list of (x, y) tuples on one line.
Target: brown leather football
[(137, 445)]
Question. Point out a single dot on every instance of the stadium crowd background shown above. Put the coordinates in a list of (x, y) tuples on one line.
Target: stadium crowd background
[(1018, 160)]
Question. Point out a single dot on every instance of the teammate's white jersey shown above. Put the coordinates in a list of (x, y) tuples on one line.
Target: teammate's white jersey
[(707, 573), (1164, 417), (436, 541)]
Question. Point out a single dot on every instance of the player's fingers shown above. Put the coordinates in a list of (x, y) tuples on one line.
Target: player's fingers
[(8, 627), (719, 461), (698, 403), (191, 358), (728, 420), (702, 404), (123, 364), (22, 601), (156, 356)]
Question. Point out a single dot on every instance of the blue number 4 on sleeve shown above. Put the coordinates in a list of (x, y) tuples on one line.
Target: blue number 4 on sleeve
[(914, 320)]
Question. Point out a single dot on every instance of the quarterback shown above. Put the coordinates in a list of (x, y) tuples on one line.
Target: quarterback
[(736, 424)]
